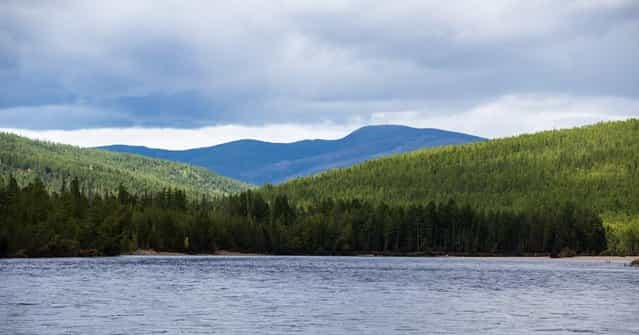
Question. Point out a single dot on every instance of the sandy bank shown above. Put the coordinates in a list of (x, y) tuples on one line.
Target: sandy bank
[(151, 252), (606, 259)]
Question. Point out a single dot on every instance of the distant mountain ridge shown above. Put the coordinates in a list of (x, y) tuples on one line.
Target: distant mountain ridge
[(257, 162)]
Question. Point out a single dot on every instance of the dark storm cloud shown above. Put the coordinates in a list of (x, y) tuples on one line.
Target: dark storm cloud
[(191, 64)]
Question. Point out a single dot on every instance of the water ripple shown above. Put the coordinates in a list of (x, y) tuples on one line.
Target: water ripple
[(316, 295)]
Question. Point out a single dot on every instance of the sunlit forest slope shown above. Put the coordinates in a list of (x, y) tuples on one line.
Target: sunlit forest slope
[(102, 171), (594, 166)]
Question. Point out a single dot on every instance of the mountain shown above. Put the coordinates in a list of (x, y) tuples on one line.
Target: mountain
[(258, 162), (101, 171), (595, 166)]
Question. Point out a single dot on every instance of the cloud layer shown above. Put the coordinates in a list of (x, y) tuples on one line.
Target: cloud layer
[(503, 117), (197, 64)]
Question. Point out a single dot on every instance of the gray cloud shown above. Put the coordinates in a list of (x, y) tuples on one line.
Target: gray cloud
[(199, 63)]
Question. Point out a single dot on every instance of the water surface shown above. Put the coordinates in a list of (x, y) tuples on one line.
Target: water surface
[(316, 295)]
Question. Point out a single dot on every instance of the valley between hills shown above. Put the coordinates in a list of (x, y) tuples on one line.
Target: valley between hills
[(560, 193)]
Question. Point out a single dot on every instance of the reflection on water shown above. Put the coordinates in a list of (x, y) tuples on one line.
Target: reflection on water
[(316, 295)]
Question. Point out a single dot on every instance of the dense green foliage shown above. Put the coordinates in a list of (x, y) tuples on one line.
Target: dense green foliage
[(623, 234), (34, 222), (533, 194), (595, 166), (102, 171)]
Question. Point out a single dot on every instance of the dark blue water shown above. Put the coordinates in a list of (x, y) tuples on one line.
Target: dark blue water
[(316, 295)]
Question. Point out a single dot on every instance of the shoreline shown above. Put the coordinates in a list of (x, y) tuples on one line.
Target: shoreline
[(151, 252), (230, 253), (607, 259)]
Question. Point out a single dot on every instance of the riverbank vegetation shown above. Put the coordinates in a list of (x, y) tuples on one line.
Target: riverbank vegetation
[(69, 222), (622, 232), (594, 166)]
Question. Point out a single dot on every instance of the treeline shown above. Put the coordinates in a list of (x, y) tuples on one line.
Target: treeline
[(69, 222)]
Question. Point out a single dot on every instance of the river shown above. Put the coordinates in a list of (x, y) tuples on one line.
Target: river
[(316, 295)]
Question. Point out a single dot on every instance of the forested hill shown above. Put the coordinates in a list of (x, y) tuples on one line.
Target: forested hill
[(102, 171), (595, 166), (258, 162)]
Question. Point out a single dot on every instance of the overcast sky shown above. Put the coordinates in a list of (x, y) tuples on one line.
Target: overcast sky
[(178, 74)]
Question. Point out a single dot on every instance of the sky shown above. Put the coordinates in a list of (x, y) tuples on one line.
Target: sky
[(182, 74)]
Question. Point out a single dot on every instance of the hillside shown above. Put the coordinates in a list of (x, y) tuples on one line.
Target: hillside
[(102, 171), (257, 162), (595, 166)]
